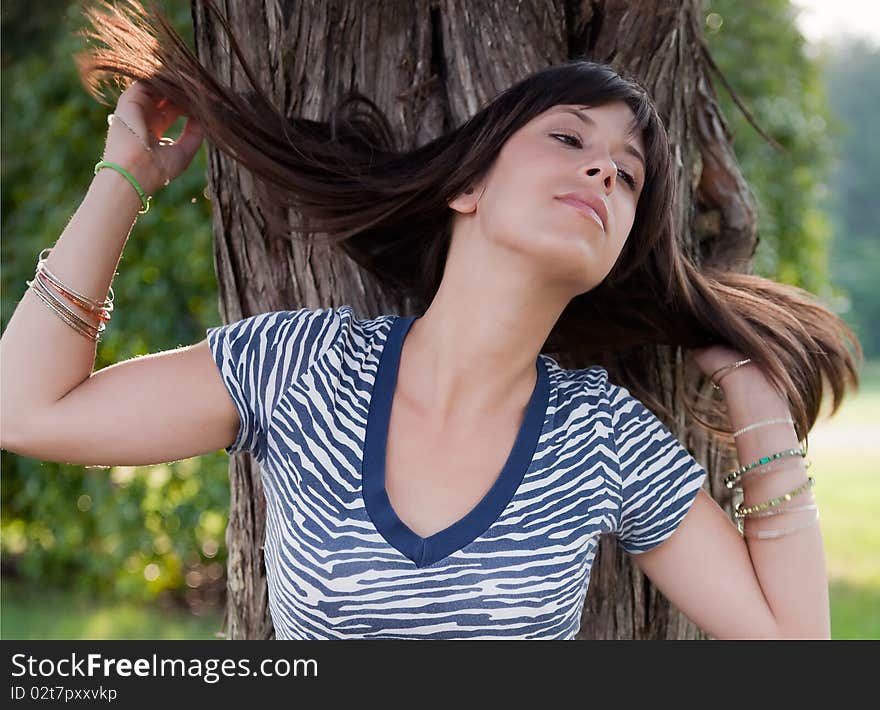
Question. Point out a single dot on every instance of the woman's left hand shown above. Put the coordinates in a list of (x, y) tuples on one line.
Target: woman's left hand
[(714, 356)]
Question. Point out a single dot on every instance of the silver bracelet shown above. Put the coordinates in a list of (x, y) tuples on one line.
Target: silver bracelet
[(768, 534), (763, 423)]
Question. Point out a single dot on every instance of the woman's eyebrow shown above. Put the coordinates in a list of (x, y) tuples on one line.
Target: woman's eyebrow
[(629, 148)]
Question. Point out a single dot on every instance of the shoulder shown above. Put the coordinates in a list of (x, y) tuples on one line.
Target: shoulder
[(302, 334), (586, 382), (613, 402), (291, 321)]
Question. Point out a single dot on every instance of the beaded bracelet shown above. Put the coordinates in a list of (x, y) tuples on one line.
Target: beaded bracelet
[(770, 468), (731, 479), (741, 512), (781, 511)]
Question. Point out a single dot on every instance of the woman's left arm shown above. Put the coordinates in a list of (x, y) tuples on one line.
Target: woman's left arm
[(791, 568)]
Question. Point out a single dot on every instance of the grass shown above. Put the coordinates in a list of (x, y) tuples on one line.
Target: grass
[(844, 451), (28, 613)]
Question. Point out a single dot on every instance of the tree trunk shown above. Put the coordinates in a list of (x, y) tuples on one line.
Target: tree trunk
[(436, 64)]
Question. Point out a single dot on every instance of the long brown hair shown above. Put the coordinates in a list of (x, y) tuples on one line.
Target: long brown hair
[(387, 208)]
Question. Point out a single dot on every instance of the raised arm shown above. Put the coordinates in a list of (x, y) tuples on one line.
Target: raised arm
[(49, 395)]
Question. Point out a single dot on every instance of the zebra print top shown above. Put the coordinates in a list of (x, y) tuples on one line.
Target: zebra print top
[(313, 390)]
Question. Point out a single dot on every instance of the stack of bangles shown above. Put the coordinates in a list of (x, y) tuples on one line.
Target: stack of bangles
[(56, 295), (764, 465)]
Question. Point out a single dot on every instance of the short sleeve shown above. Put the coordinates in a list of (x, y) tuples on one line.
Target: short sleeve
[(260, 357), (659, 478)]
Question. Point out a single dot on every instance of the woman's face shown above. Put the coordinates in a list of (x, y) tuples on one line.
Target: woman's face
[(520, 205)]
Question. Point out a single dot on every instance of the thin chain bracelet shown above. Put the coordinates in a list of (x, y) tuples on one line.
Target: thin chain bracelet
[(113, 117), (741, 512), (730, 480), (756, 425), (162, 141), (769, 534)]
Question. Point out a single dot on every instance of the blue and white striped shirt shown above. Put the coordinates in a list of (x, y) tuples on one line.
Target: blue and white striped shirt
[(313, 389)]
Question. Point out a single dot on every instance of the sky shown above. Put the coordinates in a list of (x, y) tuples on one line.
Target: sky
[(823, 19)]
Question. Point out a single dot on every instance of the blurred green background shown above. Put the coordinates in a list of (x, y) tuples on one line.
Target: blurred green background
[(139, 552)]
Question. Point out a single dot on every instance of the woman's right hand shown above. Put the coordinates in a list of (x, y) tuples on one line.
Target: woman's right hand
[(150, 117)]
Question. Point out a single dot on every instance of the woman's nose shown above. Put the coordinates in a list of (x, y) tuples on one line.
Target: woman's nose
[(606, 171)]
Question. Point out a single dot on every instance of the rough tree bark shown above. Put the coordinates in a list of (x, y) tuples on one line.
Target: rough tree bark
[(430, 65)]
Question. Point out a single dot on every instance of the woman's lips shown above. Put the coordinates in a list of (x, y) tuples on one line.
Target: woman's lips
[(584, 209)]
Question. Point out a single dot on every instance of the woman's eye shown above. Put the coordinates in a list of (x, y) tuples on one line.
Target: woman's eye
[(575, 139), (628, 179)]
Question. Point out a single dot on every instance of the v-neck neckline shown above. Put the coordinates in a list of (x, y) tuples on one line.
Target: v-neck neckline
[(424, 551)]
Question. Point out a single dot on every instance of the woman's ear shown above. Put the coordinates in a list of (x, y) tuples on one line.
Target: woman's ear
[(467, 201)]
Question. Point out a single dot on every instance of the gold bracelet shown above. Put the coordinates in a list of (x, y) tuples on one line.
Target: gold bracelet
[(781, 511), (741, 512)]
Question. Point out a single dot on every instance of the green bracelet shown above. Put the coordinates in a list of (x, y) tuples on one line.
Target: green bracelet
[(145, 201), (730, 480)]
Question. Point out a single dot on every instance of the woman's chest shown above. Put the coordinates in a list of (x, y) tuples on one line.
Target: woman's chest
[(341, 566), (434, 478)]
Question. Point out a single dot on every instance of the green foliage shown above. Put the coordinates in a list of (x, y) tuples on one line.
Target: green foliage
[(852, 70), (96, 528), (759, 49), (28, 26)]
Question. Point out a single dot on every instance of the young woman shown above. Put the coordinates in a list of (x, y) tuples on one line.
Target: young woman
[(439, 475)]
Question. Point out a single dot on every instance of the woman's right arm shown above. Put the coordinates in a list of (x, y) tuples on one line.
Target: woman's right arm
[(152, 409)]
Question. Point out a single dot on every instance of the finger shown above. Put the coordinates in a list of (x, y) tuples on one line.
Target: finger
[(193, 133), (180, 152), (160, 120), (138, 90)]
